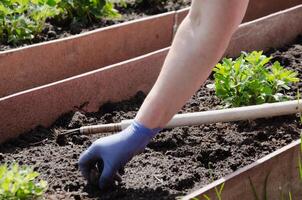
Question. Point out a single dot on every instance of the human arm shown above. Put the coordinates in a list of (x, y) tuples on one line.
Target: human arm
[(198, 45)]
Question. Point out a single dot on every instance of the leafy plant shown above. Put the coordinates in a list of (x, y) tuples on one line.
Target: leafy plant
[(19, 183), (87, 11), (249, 80), (22, 20)]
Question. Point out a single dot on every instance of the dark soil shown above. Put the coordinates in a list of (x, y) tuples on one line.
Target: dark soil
[(176, 162), (130, 12)]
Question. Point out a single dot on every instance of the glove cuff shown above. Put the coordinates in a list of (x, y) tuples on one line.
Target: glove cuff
[(144, 130)]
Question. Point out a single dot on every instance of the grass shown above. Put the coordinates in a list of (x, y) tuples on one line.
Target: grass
[(218, 190), (218, 193), (256, 196)]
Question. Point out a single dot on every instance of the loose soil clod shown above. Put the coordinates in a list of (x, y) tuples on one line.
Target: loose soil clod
[(176, 162)]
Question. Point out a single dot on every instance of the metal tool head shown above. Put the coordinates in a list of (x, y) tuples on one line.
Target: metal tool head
[(62, 137), (75, 131)]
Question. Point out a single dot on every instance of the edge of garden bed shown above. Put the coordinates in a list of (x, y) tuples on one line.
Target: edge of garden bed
[(47, 62), (25, 110), (281, 168), (38, 64)]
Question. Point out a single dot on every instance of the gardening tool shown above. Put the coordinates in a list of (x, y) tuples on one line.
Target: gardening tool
[(205, 117)]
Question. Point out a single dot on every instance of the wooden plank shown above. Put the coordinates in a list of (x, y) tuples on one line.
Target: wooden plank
[(36, 65), (47, 62), (280, 168), (23, 111)]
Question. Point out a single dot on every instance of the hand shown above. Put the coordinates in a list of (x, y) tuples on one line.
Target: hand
[(115, 151)]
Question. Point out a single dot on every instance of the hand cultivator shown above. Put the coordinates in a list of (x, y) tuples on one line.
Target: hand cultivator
[(206, 117)]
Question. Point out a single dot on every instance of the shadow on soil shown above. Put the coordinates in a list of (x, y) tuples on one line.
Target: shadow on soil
[(35, 137), (129, 193)]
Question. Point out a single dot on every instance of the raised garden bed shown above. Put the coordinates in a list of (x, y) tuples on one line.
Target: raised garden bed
[(275, 176), (47, 62), (134, 10), (176, 162), (43, 105)]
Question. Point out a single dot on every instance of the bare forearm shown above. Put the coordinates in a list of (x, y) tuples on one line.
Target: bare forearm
[(198, 45)]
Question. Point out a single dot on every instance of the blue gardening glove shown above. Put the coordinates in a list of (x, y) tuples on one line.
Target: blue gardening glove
[(115, 151)]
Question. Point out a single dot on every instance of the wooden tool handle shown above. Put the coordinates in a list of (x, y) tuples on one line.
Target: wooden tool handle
[(213, 116), (101, 128), (236, 114)]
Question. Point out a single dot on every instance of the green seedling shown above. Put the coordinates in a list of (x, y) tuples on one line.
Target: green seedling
[(250, 80), (290, 196), (86, 12), (283, 197), (22, 20), (20, 183), (218, 190)]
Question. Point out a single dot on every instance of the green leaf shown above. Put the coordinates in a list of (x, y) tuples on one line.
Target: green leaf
[(23, 19), (19, 182), (249, 80)]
